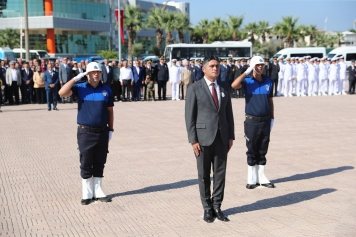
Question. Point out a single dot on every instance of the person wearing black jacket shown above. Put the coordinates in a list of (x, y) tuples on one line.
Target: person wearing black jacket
[(352, 77), (161, 77), (273, 73)]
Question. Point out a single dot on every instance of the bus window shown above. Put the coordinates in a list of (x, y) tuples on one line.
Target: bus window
[(350, 56)]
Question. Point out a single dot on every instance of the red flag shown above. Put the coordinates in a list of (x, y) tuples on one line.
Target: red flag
[(121, 23)]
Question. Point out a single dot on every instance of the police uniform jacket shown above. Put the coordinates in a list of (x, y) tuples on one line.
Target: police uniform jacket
[(352, 73), (224, 72), (232, 69), (150, 72), (273, 71), (193, 72), (161, 72), (199, 73)]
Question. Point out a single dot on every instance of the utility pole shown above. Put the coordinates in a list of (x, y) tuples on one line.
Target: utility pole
[(119, 26), (26, 31)]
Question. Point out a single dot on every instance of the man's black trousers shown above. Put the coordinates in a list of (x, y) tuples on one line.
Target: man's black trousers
[(93, 150), (257, 140), (214, 156), (162, 85)]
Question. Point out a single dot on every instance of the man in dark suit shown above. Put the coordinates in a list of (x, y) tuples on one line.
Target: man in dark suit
[(162, 76), (65, 74), (352, 77), (51, 80), (107, 73), (266, 69), (199, 74), (231, 75), (138, 77), (27, 84), (193, 70), (273, 72), (210, 126)]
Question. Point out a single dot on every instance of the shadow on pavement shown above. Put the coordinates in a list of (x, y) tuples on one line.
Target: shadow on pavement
[(280, 201), (158, 188), (313, 174), (22, 110)]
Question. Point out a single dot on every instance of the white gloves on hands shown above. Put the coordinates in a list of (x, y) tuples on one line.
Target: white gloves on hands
[(250, 69), (110, 135), (80, 76), (272, 122)]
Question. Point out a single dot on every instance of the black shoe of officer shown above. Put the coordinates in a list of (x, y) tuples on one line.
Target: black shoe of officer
[(103, 199), (208, 216), (86, 201), (269, 185), (251, 186), (220, 215)]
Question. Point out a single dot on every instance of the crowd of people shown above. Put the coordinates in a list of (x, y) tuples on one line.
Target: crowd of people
[(135, 80)]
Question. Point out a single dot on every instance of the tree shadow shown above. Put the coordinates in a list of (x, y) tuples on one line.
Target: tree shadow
[(158, 188), (314, 174), (280, 201)]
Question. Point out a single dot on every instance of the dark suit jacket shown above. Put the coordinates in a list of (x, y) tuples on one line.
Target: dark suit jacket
[(194, 72), (231, 76), (106, 77), (138, 77), (237, 71), (26, 77), (273, 71), (352, 73), (65, 73), (199, 74), (224, 74), (48, 79), (203, 119), (161, 72), (150, 72)]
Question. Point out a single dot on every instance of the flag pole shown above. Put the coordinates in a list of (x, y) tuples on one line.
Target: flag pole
[(119, 27)]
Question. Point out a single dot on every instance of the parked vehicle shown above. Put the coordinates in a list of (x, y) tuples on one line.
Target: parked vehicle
[(41, 54), (349, 53), (91, 58), (300, 52), (7, 52)]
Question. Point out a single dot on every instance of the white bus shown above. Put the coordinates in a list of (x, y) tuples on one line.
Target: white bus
[(222, 49)]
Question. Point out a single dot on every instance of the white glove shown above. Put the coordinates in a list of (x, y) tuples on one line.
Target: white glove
[(80, 76), (272, 122), (110, 135), (250, 69), (2, 87)]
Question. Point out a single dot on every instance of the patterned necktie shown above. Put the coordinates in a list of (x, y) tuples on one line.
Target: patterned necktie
[(215, 96)]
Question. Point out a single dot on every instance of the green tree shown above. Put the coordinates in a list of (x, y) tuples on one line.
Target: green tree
[(263, 30), (10, 38), (235, 23), (108, 54), (133, 21), (251, 29), (155, 20), (137, 49), (340, 37), (288, 30), (182, 25), (203, 30), (218, 30), (169, 22)]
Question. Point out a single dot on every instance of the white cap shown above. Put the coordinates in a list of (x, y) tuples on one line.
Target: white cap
[(93, 66), (255, 60)]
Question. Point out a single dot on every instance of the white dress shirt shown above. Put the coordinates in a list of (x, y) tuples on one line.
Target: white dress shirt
[(125, 74), (14, 74)]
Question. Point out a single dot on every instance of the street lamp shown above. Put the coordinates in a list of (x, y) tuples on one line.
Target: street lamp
[(26, 30)]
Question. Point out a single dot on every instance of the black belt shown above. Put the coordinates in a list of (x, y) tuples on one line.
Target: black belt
[(91, 129), (258, 119)]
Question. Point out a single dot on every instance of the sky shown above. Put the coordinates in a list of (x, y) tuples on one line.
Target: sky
[(340, 14)]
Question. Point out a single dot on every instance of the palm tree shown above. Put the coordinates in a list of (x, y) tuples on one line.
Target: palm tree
[(311, 32), (203, 30), (155, 20), (169, 24), (218, 29), (235, 23), (287, 29), (339, 37), (10, 38), (134, 21), (182, 25), (251, 29), (263, 29)]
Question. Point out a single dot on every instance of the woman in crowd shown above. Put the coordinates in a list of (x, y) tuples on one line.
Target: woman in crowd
[(39, 85)]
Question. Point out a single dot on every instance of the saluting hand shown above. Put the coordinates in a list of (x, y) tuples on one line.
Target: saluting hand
[(196, 148)]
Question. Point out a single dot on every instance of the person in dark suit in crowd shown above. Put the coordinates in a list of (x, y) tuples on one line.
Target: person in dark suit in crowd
[(232, 68), (210, 126), (199, 74), (273, 73), (162, 76), (65, 74), (107, 75), (27, 84), (138, 77), (352, 77), (266, 69), (243, 68), (237, 73), (193, 70), (51, 80)]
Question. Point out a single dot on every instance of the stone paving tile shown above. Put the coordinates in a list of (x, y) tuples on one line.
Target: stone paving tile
[(151, 174)]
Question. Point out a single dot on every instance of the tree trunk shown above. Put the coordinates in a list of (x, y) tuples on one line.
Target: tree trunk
[(181, 37), (205, 37), (159, 35), (132, 36), (169, 39)]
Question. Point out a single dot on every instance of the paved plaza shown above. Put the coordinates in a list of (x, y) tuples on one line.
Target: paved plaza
[(151, 173)]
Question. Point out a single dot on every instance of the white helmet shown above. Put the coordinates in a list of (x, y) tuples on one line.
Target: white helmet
[(93, 66), (255, 60)]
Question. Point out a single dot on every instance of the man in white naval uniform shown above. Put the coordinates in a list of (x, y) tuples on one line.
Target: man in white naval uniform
[(281, 83), (311, 78), (322, 77), (317, 69), (174, 78), (327, 83), (342, 75), (301, 80), (333, 78), (288, 77), (294, 81)]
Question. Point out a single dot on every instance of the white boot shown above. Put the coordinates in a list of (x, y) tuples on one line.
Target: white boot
[(251, 177), (87, 191), (262, 178), (98, 192)]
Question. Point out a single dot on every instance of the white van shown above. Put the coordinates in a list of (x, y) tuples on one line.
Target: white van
[(300, 52), (33, 53), (7, 52), (349, 53)]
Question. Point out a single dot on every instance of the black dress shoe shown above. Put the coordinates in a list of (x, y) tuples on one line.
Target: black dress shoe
[(269, 185), (251, 186), (103, 199), (55, 109), (49, 109), (208, 216), (220, 215), (86, 201)]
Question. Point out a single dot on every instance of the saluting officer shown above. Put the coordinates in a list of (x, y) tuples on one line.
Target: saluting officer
[(95, 127), (199, 74), (259, 111)]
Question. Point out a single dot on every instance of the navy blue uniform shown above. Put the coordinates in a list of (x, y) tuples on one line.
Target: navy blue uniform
[(93, 131), (199, 74), (257, 125)]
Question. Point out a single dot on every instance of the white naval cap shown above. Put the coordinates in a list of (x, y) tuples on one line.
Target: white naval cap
[(312, 59), (307, 56)]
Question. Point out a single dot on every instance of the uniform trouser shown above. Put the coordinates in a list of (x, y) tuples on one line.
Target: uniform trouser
[(275, 84), (117, 91), (214, 155), (288, 87), (93, 150), (175, 91), (312, 86), (281, 85), (322, 83), (342, 85), (137, 91), (162, 85), (126, 89), (257, 140), (301, 86), (40, 95), (14, 91), (182, 89), (144, 91), (241, 92), (333, 86), (51, 95), (26, 92), (352, 86)]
